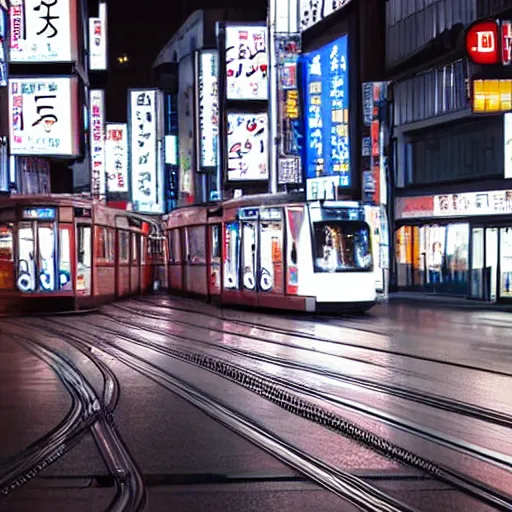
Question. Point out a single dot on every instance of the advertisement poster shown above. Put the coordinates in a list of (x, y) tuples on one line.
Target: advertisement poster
[(208, 102), (247, 147), (43, 31), (147, 186), (97, 144), (98, 40), (186, 131), (117, 157), (326, 95), (246, 63), (294, 219), (43, 116)]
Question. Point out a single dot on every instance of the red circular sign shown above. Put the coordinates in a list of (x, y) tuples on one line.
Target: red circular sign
[(482, 42)]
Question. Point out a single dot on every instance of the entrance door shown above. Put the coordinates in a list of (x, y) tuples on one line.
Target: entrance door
[(505, 281), (477, 288), (491, 264)]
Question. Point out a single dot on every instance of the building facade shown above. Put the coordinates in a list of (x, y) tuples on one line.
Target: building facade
[(452, 223)]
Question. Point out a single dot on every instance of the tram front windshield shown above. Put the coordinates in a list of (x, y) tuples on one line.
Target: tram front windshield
[(342, 246)]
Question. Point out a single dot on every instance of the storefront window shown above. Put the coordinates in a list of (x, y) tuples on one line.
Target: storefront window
[(506, 263), (457, 256), (6, 257), (435, 254), (26, 281), (342, 246)]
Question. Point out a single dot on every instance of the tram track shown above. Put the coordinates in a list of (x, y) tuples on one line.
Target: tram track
[(387, 351), (290, 396), (95, 416), (430, 399)]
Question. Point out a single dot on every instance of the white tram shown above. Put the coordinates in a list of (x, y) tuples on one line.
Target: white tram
[(270, 251)]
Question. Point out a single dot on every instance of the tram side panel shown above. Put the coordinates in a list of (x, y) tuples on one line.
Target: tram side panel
[(195, 265), (105, 264), (135, 264), (123, 263)]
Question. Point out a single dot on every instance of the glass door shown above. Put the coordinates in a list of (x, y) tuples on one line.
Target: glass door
[(491, 264), (477, 264), (505, 281)]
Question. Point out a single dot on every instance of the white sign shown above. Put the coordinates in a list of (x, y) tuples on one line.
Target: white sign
[(146, 183), (469, 204), (171, 149), (208, 99), (247, 147), (246, 63), (43, 116), (323, 189), (97, 137), (116, 157), (98, 40), (508, 144), (43, 30), (313, 11)]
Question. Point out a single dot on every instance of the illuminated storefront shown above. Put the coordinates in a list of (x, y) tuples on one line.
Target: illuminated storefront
[(456, 244)]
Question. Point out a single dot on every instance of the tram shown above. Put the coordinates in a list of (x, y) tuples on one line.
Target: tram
[(275, 251), (66, 253)]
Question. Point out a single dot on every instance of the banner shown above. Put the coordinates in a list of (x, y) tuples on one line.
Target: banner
[(116, 149), (97, 130)]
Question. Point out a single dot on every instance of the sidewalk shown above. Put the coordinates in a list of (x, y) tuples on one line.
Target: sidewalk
[(431, 300)]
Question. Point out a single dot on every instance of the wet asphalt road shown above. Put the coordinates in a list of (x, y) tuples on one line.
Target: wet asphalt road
[(431, 386)]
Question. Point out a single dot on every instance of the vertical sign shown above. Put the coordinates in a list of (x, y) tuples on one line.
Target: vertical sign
[(289, 169), (146, 179), (326, 94), (98, 40), (116, 157), (43, 31), (508, 144), (97, 130), (246, 63), (208, 113), (3, 48)]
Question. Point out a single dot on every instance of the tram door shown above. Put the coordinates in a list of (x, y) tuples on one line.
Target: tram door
[(248, 255)]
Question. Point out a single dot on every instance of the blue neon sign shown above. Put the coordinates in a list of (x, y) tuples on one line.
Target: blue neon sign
[(326, 106)]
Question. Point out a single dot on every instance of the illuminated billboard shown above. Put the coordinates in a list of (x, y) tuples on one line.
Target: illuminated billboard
[(247, 147), (246, 63), (208, 111), (491, 96), (116, 157), (98, 40), (146, 173), (43, 116), (43, 31), (97, 138), (326, 104)]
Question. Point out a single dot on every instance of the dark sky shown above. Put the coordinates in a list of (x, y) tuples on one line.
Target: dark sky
[(140, 33)]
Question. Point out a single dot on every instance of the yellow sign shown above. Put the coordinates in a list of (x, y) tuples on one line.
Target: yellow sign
[(492, 96), (292, 104)]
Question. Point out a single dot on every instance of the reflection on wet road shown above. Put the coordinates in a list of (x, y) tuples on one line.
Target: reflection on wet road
[(402, 409)]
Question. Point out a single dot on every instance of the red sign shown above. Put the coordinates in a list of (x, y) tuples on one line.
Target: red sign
[(482, 42)]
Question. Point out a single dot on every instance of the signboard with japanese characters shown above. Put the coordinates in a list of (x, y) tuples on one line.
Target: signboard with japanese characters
[(247, 147), (43, 116), (314, 11), (43, 30), (246, 63), (97, 137), (208, 103), (3, 47), (146, 177), (116, 149), (327, 143), (98, 40)]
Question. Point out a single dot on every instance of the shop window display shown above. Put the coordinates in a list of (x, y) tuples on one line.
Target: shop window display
[(506, 263)]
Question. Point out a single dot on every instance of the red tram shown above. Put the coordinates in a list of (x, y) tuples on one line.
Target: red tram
[(65, 253)]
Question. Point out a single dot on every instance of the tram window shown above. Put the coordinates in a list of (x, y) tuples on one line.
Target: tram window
[(6, 243), (124, 253), (101, 243), (83, 271), (65, 259), (175, 246), (143, 249), (196, 244), (46, 239), (342, 246), (26, 281), (135, 248), (215, 241)]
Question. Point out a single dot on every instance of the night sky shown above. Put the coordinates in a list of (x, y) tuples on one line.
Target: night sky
[(141, 33)]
